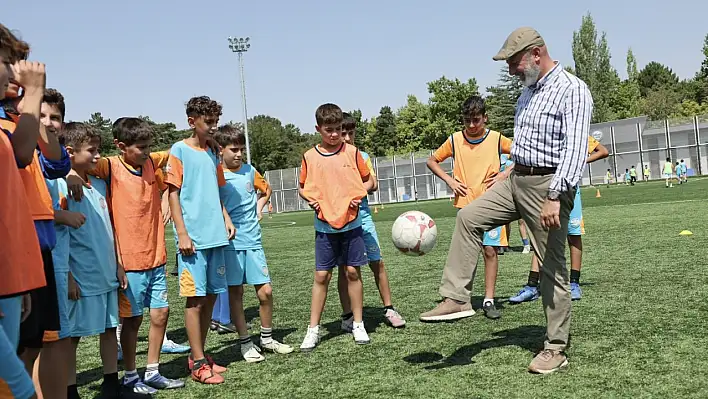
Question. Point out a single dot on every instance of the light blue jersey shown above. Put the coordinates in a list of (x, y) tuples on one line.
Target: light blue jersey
[(198, 174), (92, 258), (364, 209), (240, 198), (684, 169), (60, 252), (505, 161)]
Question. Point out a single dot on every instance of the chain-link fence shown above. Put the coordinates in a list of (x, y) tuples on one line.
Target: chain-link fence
[(635, 142)]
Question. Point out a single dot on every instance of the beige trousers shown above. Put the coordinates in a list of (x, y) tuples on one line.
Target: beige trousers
[(518, 197)]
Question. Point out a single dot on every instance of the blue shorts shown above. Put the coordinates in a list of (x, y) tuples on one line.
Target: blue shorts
[(576, 226), (495, 238), (371, 239), (202, 273), (247, 266), (93, 315), (14, 380), (62, 279), (12, 309), (146, 289), (340, 249)]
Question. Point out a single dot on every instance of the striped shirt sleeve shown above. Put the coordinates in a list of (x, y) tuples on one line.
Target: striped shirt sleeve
[(577, 111)]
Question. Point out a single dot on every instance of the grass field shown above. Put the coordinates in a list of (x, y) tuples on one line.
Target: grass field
[(639, 330)]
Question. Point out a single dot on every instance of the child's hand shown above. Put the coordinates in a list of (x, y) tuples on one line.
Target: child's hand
[(122, 278), (260, 215), (26, 307), (314, 205), (355, 203), (458, 187), (186, 246), (75, 185), (74, 291), (166, 215), (230, 228), (68, 218), (31, 76)]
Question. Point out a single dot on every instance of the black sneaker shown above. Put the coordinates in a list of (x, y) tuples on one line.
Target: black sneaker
[(491, 311), (226, 328)]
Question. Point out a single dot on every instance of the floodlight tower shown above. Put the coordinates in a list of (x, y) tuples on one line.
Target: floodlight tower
[(240, 45)]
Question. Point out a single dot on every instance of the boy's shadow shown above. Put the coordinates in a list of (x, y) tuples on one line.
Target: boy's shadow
[(373, 319), (525, 337)]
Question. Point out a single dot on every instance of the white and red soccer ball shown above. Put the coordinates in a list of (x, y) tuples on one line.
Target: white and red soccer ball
[(414, 233)]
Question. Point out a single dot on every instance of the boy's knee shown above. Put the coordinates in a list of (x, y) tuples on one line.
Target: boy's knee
[(196, 302), (322, 277), (265, 293), (575, 241), (353, 273), (159, 316), (490, 252)]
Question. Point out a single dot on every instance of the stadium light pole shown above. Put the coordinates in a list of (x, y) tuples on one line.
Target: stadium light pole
[(240, 45)]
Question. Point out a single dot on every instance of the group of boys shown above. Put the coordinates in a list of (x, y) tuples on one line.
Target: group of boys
[(86, 249)]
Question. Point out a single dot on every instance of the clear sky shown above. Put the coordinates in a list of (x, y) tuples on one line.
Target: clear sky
[(147, 57)]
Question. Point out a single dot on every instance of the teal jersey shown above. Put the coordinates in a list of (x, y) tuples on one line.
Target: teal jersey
[(683, 168), (505, 161), (678, 170), (240, 198), (364, 209), (60, 252), (92, 255), (627, 175), (198, 174)]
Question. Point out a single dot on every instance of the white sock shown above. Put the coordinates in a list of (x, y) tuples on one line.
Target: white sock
[(488, 300), (266, 335), (118, 330), (315, 329), (130, 376), (358, 324), (152, 370)]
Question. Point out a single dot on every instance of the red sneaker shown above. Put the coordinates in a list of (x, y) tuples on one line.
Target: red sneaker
[(217, 369), (206, 375)]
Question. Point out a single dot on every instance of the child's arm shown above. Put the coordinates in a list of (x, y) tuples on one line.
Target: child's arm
[(311, 202), (230, 228), (120, 270), (31, 76), (186, 247), (600, 152), (441, 154), (264, 193), (68, 218), (74, 290), (165, 205)]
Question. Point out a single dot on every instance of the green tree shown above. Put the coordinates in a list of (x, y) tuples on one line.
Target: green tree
[(689, 109), (105, 126), (593, 65), (632, 70), (412, 126), (654, 76), (383, 140), (501, 103), (701, 80), (269, 146), (660, 103), (446, 99)]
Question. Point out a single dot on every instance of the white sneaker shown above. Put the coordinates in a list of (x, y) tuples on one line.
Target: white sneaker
[(348, 324), (312, 338), (360, 335), (277, 347), (252, 354), (527, 249)]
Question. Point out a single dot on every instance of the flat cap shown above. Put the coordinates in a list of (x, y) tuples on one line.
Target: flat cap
[(519, 40)]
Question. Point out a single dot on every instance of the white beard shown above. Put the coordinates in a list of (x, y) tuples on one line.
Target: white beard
[(530, 75)]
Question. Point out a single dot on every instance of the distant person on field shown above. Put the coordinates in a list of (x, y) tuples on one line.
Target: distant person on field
[(633, 175), (684, 171), (332, 178), (476, 152), (647, 173), (373, 250), (608, 178), (627, 177), (679, 173), (667, 173)]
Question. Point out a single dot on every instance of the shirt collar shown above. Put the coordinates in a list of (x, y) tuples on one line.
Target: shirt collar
[(550, 76)]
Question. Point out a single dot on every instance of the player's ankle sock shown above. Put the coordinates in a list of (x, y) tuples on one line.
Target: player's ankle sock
[(266, 335), (488, 300), (118, 331), (533, 279), (111, 380), (575, 276), (130, 376), (346, 316), (525, 241), (358, 324), (245, 341), (72, 392), (199, 363), (388, 307), (152, 370), (315, 329)]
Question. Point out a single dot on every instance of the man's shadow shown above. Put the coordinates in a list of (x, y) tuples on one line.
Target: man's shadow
[(526, 337)]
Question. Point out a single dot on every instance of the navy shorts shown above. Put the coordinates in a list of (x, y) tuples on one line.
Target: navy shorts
[(340, 249)]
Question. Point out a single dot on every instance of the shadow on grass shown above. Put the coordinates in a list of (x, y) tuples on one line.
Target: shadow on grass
[(525, 337)]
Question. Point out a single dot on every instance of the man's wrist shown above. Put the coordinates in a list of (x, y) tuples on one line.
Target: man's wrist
[(553, 195)]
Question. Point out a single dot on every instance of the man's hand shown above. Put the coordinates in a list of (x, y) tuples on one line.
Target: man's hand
[(68, 218), (550, 215), (74, 291), (26, 307), (354, 203), (458, 187), (31, 76), (75, 185), (186, 246), (122, 278)]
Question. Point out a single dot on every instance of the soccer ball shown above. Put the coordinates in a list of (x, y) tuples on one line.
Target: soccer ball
[(414, 233)]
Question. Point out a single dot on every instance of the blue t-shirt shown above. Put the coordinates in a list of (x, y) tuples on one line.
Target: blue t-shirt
[(505, 161), (92, 255), (198, 174), (60, 252), (364, 209), (683, 168), (240, 198)]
